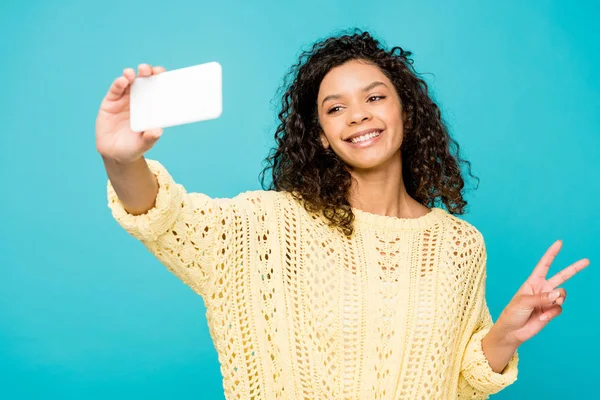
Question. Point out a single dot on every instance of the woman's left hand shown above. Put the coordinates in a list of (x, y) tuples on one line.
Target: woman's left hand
[(534, 306)]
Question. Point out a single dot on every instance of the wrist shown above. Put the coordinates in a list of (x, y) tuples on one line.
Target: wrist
[(501, 338), (113, 162)]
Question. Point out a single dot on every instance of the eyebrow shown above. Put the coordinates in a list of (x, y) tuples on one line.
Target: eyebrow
[(365, 89)]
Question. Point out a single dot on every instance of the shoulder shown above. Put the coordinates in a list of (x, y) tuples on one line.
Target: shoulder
[(258, 197), (463, 232), (264, 201), (465, 240)]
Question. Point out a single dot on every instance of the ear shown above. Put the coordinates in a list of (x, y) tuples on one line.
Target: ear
[(324, 140)]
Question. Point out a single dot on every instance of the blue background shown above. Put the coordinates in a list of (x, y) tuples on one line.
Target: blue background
[(87, 313)]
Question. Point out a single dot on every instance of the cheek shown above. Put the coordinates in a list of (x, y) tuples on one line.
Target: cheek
[(393, 113), (333, 130), (394, 120)]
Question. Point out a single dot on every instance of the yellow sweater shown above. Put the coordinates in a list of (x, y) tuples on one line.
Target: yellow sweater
[(298, 311)]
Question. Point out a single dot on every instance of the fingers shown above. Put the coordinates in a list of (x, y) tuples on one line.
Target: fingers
[(552, 313), (129, 73), (147, 70), (120, 84), (543, 300), (144, 70), (541, 270), (158, 69), (567, 273), (548, 299), (117, 88)]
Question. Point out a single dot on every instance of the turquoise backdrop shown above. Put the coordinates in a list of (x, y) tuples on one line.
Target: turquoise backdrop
[(87, 313)]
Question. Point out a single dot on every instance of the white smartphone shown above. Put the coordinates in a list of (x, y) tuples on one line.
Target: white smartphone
[(177, 97)]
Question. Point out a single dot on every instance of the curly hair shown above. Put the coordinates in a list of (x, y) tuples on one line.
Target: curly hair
[(317, 177)]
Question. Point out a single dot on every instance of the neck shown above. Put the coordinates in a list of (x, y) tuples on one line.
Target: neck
[(381, 191)]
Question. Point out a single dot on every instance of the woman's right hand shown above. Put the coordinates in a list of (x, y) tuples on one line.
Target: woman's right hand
[(114, 138)]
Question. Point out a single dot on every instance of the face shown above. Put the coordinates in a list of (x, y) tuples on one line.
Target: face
[(360, 115)]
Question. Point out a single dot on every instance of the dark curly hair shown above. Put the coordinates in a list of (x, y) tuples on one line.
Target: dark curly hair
[(317, 176)]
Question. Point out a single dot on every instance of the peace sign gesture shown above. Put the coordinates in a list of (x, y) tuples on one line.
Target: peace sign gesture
[(537, 301)]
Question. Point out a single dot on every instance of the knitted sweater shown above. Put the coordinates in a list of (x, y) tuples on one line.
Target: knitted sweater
[(297, 310)]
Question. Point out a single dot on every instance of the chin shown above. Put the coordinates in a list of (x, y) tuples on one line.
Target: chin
[(370, 163), (365, 164)]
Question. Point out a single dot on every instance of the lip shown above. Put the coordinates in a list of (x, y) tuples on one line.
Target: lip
[(363, 132), (366, 143)]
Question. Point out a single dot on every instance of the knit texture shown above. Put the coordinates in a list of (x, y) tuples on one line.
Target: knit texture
[(297, 310)]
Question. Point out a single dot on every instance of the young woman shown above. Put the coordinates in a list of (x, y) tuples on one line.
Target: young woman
[(343, 280)]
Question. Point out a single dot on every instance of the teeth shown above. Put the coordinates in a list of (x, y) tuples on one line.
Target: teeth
[(365, 137)]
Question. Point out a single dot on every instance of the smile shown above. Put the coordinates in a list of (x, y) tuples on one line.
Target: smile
[(365, 140)]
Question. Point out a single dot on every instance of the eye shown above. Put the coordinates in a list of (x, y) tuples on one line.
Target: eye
[(336, 108), (377, 97)]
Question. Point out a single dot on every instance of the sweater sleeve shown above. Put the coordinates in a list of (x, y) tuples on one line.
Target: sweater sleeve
[(477, 378), (185, 231)]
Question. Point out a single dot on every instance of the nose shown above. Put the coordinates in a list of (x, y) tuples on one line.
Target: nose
[(357, 115)]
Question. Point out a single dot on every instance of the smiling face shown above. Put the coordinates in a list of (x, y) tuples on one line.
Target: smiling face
[(360, 115)]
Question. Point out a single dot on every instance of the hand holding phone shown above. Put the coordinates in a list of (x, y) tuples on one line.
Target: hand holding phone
[(177, 97), (134, 111)]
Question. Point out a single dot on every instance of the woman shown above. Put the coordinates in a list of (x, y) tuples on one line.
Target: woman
[(344, 280)]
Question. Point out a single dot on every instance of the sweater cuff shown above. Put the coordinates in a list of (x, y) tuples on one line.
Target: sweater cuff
[(157, 220), (478, 372)]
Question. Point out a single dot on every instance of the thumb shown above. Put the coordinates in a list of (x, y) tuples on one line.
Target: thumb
[(544, 299), (151, 136)]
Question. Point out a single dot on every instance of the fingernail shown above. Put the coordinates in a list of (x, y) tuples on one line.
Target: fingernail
[(544, 317), (554, 295)]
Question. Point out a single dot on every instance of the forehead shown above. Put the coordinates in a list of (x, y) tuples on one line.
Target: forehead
[(350, 77)]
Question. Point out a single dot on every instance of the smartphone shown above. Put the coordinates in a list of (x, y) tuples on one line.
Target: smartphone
[(177, 97)]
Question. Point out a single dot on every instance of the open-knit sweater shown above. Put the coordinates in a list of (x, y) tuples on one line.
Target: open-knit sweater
[(298, 310)]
